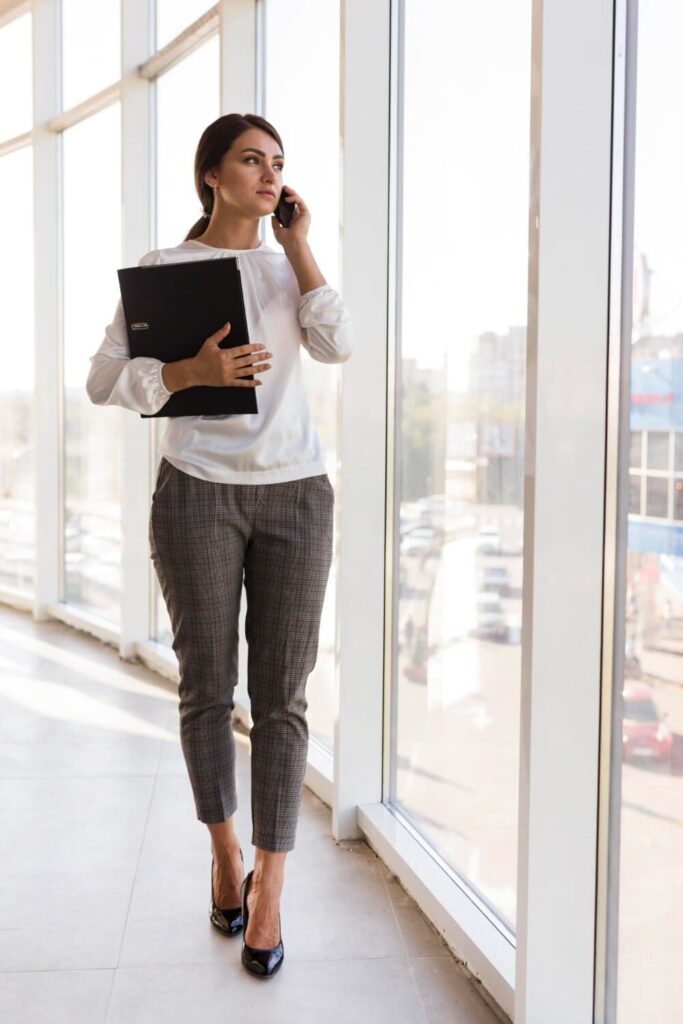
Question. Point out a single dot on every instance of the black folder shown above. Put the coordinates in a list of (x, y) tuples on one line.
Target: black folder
[(170, 311)]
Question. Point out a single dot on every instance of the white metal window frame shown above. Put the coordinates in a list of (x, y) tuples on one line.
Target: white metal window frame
[(546, 971), (570, 220), (618, 459)]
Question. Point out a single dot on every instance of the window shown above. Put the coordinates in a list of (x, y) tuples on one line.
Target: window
[(657, 497), (636, 449), (634, 494), (650, 929), (657, 449), (91, 47), (187, 101), (15, 77), (92, 442), (678, 451), (462, 283), (173, 16), (312, 168), (17, 451)]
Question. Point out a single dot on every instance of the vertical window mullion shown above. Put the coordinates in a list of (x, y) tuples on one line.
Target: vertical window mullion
[(137, 191)]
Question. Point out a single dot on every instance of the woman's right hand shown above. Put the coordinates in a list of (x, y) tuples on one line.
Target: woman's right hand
[(223, 367)]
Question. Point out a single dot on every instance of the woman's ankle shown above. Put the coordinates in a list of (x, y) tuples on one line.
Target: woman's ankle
[(226, 851), (224, 841), (269, 868)]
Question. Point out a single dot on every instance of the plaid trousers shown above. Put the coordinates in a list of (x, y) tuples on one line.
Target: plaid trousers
[(205, 539)]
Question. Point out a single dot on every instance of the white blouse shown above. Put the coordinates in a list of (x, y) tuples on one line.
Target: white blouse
[(280, 441)]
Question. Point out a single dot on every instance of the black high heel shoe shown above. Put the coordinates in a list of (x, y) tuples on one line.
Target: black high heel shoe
[(262, 962), (227, 921)]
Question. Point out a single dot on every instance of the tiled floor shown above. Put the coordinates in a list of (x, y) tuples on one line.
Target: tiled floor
[(105, 882)]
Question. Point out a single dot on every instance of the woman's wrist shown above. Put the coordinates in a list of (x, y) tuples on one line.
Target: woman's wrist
[(303, 263), (178, 375)]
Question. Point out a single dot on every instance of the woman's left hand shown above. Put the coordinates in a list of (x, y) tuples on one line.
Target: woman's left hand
[(301, 221)]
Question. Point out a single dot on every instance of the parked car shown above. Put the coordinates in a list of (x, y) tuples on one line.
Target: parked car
[(490, 617), (496, 577), (645, 733), (487, 539)]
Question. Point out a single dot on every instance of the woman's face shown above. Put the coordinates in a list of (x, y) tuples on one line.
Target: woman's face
[(251, 168)]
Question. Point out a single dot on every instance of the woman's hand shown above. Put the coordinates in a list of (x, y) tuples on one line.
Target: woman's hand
[(223, 367), (301, 221)]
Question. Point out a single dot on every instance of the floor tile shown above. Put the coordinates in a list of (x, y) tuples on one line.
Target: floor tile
[(45, 997), (302, 992), (447, 995), (69, 850)]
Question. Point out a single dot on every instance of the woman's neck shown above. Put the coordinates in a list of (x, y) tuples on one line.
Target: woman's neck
[(222, 235)]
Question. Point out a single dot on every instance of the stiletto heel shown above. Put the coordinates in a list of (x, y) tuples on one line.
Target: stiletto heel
[(228, 921), (261, 962)]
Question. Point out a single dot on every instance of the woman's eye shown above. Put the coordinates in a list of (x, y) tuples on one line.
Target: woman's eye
[(278, 167)]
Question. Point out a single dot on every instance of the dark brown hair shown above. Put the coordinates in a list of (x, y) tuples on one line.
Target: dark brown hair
[(216, 139)]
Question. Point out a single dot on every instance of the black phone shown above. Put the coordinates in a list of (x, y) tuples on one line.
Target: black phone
[(284, 211)]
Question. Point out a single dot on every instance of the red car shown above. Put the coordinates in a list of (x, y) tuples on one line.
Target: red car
[(645, 734)]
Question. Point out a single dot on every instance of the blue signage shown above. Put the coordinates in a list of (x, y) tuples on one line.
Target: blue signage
[(664, 538), (656, 393)]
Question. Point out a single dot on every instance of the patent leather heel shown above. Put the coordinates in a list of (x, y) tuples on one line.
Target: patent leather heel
[(261, 962), (228, 921)]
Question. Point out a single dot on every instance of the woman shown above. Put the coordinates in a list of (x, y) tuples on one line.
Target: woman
[(242, 497)]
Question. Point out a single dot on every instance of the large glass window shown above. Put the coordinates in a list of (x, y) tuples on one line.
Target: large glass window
[(307, 119), (17, 507), (15, 77), (92, 441), (188, 99), (462, 284), (17, 463), (91, 41), (175, 15), (650, 905)]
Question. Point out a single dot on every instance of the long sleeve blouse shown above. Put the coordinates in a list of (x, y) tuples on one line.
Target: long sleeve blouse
[(279, 442)]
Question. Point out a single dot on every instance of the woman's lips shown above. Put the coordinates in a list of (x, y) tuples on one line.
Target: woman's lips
[(271, 194)]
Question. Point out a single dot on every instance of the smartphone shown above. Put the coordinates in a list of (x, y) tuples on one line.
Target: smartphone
[(284, 211)]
